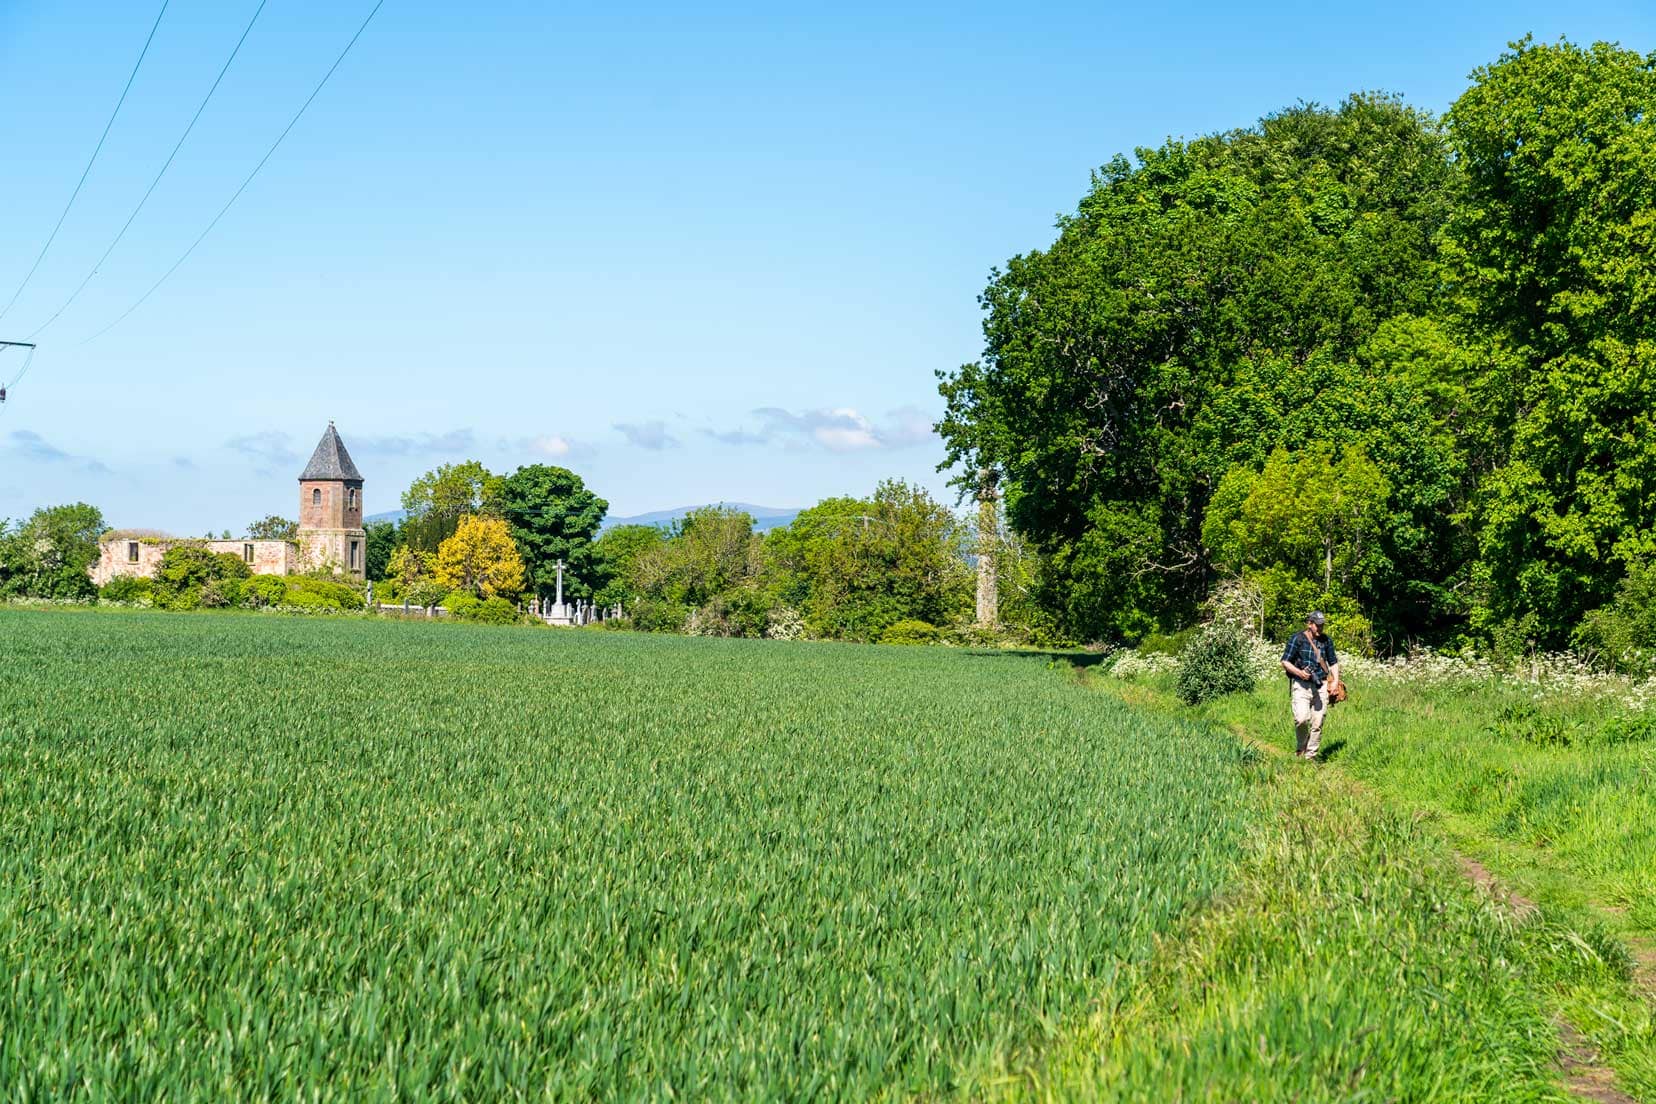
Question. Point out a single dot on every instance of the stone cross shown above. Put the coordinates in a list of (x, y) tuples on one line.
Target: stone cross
[(560, 586)]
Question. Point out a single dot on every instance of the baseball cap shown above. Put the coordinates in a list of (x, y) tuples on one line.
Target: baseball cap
[(1316, 618)]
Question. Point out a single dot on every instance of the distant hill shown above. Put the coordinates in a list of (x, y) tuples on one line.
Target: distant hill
[(765, 518)]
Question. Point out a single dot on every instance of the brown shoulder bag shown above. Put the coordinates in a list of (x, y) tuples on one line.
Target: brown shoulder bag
[(1336, 693)]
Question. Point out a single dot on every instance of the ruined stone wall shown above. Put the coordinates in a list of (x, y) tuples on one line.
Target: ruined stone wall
[(115, 557), (270, 557)]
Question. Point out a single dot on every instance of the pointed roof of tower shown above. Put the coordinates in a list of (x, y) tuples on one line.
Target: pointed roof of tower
[(330, 460)]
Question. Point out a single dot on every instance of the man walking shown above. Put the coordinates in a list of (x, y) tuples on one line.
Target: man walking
[(1313, 670)]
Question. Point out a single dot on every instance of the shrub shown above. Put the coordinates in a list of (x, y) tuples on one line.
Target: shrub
[(1172, 644), (911, 632), (127, 588), (461, 605), (784, 623), (659, 615), (185, 572), (496, 611), (1622, 634), (264, 590), (311, 592), (219, 593), (488, 611), (1216, 662)]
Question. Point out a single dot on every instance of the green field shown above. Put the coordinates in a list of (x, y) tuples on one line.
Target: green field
[(259, 857)]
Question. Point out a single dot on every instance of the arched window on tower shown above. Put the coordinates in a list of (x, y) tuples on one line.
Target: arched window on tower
[(350, 498), (316, 496)]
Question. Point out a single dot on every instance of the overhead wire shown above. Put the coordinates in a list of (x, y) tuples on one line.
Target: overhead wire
[(90, 162), (28, 359), (244, 184), (153, 183)]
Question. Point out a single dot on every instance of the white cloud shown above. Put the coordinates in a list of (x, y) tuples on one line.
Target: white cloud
[(551, 445), (837, 429)]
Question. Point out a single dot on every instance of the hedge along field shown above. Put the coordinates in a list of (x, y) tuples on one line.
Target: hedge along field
[(248, 856)]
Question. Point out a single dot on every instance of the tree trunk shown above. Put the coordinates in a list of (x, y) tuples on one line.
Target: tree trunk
[(988, 542)]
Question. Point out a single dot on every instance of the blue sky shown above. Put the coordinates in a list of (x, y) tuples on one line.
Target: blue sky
[(694, 252)]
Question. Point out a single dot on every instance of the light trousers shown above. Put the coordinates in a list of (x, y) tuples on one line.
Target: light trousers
[(1310, 706)]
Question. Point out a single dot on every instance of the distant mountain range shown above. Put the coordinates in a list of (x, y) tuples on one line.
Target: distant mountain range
[(765, 518)]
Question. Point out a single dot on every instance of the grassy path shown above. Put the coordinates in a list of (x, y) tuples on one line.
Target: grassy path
[(1586, 964)]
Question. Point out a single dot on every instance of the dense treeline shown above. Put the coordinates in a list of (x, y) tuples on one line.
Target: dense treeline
[(1361, 357), (845, 569)]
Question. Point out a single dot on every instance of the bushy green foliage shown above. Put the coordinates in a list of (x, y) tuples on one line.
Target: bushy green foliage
[(48, 555), (134, 589), (272, 527), (618, 551), (1621, 634), (382, 540), (321, 593), (489, 611), (1455, 302), (265, 590), (191, 575), (436, 501), (554, 517), (461, 605), (1214, 663), (854, 567), (910, 632), (742, 611)]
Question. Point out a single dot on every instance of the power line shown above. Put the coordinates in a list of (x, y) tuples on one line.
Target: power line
[(88, 170), (28, 359), (268, 154), (165, 166)]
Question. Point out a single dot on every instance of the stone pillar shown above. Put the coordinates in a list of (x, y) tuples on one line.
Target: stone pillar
[(988, 544)]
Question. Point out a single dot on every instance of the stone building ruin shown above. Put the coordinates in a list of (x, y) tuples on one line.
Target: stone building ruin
[(330, 536)]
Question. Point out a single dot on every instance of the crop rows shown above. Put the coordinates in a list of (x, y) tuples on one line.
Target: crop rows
[(254, 857)]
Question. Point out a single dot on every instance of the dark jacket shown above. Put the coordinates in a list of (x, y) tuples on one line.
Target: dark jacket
[(1298, 652)]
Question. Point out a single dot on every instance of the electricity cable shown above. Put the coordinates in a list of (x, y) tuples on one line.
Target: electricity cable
[(28, 359), (153, 183), (244, 184), (88, 170)]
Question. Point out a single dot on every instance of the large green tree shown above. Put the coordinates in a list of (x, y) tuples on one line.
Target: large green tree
[(1201, 306), (618, 550), (48, 556), (854, 566), (1551, 264), (435, 502), (553, 517)]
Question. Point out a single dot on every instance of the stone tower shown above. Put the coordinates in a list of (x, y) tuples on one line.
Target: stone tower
[(330, 509)]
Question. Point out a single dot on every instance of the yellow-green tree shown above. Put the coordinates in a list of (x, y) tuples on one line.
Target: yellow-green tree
[(481, 559)]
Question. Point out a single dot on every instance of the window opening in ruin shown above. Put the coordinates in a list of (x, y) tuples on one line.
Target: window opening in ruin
[(247, 552), (353, 555), (132, 551), (316, 496), (352, 498)]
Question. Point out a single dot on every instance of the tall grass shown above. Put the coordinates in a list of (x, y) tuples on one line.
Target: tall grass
[(1549, 780), (272, 858)]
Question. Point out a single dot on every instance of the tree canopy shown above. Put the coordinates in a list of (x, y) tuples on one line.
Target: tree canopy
[(1460, 304), (553, 517)]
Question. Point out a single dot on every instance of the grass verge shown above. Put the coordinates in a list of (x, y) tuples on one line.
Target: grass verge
[(1354, 960)]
